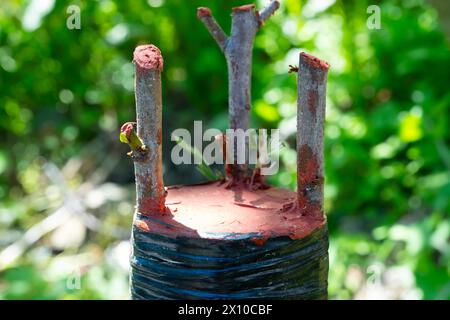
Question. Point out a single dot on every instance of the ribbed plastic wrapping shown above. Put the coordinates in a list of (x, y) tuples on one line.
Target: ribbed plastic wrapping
[(230, 266)]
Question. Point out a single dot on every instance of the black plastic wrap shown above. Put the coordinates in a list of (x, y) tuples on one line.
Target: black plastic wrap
[(229, 266)]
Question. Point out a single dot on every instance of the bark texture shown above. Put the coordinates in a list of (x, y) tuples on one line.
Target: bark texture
[(312, 81), (238, 49), (150, 193)]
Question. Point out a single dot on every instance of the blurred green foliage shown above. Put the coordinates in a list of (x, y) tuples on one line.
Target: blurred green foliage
[(387, 130)]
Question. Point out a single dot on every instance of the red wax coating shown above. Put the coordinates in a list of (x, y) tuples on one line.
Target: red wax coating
[(212, 208), (203, 12), (245, 7), (315, 62), (149, 57), (309, 176), (312, 101)]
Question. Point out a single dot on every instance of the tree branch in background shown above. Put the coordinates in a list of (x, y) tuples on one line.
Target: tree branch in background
[(74, 205), (311, 103)]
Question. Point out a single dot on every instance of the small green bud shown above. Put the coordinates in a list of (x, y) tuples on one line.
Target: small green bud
[(129, 136)]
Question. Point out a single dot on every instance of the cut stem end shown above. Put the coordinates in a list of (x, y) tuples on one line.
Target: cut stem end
[(203, 12), (314, 62), (148, 57)]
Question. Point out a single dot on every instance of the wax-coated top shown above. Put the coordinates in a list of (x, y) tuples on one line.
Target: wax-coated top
[(148, 56), (245, 7), (315, 62), (213, 209), (203, 12)]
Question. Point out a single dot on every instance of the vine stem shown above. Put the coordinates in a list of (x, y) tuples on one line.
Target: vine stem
[(238, 48), (311, 103), (150, 192)]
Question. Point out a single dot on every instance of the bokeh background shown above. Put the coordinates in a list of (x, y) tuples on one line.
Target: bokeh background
[(66, 184)]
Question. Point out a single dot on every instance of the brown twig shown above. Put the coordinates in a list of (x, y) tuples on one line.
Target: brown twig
[(312, 80), (150, 193)]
